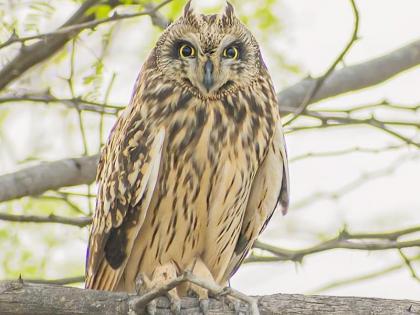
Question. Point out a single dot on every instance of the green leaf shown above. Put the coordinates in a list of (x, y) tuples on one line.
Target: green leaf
[(100, 11)]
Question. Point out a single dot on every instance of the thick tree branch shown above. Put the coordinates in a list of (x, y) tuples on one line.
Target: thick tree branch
[(352, 78), (62, 281), (20, 298), (50, 175)]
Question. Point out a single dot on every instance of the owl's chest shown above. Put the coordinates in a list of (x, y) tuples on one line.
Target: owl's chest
[(209, 133)]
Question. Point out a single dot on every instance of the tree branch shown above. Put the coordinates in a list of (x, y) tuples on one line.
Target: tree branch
[(50, 43), (352, 78), (345, 240), (363, 277), (63, 281), (28, 56), (46, 176), (77, 221), (355, 183), (19, 298), (75, 28), (77, 102), (320, 81)]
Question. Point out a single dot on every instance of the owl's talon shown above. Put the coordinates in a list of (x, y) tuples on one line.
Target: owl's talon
[(151, 308), (224, 292), (233, 302), (204, 306), (175, 305)]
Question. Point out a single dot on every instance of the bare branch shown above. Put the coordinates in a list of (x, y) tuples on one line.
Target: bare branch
[(50, 175), (353, 78), (49, 43), (319, 81), (38, 52), (328, 121), (384, 104), (76, 28), (356, 183), (77, 221), (17, 297), (407, 262), (345, 151), (363, 277), (344, 240), (75, 102), (63, 281)]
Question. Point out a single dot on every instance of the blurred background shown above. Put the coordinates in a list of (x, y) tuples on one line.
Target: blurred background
[(354, 223)]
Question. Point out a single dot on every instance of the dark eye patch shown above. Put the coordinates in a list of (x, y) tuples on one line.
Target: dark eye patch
[(240, 47), (176, 47)]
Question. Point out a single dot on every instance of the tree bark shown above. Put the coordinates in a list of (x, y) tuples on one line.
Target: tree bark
[(46, 176), (352, 78), (20, 298)]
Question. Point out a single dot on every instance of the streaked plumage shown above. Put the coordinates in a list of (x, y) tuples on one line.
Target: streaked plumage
[(196, 164)]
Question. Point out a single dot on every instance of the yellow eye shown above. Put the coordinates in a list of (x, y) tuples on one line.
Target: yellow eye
[(231, 53), (186, 51)]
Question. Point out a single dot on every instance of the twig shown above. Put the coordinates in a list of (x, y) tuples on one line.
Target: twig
[(340, 121), (47, 97), (33, 54), (85, 25), (407, 262), (345, 240), (345, 151), (79, 221), (385, 104), (352, 78), (320, 80), (363, 277), (356, 183)]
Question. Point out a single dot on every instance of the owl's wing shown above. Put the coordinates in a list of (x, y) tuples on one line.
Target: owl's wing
[(127, 175), (269, 191)]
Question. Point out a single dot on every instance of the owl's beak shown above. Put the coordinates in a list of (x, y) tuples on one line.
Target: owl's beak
[(208, 75)]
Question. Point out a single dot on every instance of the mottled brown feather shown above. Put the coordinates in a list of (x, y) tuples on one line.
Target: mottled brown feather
[(189, 176)]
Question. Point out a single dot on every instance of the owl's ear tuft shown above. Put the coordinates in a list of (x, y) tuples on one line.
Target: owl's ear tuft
[(229, 14), (188, 11)]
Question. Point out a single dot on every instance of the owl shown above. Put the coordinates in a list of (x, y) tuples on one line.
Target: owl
[(194, 167)]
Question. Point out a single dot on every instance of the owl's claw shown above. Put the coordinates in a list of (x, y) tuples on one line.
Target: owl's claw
[(204, 306), (151, 308), (175, 304)]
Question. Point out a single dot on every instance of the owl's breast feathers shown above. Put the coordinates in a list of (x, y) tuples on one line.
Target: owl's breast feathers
[(182, 176)]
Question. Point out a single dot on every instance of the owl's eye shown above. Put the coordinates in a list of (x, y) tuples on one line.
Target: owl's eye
[(231, 53), (186, 51)]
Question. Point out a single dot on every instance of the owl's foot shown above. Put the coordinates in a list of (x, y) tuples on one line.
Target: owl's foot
[(162, 275), (199, 269), (204, 306), (144, 285), (235, 304), (238, 301)]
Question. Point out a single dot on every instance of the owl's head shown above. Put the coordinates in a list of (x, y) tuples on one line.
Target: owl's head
[(209, 54)]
